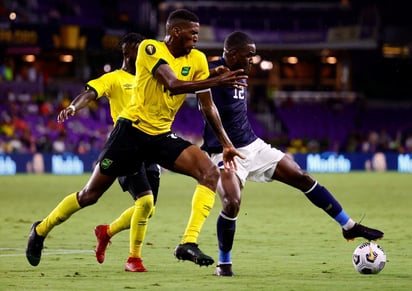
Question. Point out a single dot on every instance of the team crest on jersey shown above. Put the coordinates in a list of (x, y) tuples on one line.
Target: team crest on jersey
[(105, 163), (150, 49), (185, 71)]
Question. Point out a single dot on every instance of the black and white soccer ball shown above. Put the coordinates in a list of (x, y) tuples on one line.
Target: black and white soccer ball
[(369, 258)]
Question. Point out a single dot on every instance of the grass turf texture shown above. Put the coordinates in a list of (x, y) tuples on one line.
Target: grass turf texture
[(282, 242)]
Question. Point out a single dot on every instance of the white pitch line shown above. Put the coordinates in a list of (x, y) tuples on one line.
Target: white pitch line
[(45, 253)]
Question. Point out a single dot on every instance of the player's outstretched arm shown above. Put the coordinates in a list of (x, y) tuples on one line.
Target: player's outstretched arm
[(211, 115), (78, 103), (168, 78)]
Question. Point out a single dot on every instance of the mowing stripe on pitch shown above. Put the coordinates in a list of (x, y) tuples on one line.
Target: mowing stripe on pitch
[(45, 253)]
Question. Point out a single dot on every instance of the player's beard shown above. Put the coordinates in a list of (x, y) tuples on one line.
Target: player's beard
[(246, 69), (189, 45)]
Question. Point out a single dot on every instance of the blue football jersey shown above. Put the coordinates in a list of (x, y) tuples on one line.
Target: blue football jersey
[(232, 105)]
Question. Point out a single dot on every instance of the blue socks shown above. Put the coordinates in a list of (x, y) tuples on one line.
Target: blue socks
[(317, 194), (226, 228), (322, 198)]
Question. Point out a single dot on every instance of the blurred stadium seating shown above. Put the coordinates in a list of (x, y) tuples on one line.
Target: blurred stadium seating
[(29, 108)]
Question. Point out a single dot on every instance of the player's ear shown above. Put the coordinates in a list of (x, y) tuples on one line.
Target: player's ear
[(233, 54), (176, 30)]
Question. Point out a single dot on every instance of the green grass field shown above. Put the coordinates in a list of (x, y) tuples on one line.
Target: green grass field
[(282, 242)]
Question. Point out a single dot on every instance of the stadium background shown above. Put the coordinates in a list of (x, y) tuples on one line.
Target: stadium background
[(330, 85)]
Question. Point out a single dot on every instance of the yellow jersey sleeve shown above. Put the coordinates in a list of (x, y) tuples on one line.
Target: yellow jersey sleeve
[(152, 105), (117, 87)]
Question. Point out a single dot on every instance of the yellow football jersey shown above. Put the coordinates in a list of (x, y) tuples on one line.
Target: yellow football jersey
[(151, 104), (117, 87)]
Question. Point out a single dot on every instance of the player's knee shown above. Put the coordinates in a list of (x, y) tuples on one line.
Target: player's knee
[(147, 204), (152, 212), (154, 181), (210, 176), (231, 207), (304, 180)]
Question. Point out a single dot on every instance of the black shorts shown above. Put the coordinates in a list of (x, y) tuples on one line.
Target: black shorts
[(128, 147), (147, 179)]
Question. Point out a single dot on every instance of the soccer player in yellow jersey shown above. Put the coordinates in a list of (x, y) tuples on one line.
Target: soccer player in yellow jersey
[(165, 72), (117, 87)]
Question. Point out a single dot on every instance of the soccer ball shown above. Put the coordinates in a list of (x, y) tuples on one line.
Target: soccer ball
[(369, 258)]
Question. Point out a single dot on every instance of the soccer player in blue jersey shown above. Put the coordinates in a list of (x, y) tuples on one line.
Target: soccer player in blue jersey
[(263, 163)]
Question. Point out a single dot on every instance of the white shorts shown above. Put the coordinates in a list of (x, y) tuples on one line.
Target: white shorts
[(260, 162)]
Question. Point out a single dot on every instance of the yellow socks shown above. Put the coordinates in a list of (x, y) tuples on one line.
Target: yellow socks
[(122, 222), (62, 212), (138, 224), (202, 202)]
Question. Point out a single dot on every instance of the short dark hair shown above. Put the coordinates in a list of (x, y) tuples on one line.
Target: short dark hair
[(131, 37), (237, 39), (182, 14)]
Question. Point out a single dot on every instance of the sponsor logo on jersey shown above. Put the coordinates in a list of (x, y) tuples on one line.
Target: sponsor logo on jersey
[(128, 86)]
